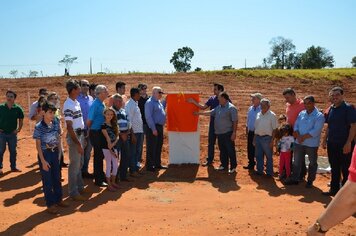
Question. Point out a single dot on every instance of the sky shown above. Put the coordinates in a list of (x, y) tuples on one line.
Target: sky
[(137, 35)]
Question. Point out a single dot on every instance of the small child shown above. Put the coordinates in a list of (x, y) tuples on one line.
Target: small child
[(110, 131), (48, 142), (285, 146)]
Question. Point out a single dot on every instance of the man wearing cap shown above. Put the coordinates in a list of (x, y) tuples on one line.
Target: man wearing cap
[(265, 127), (250, 128), (307, 130), (212, 103), (339, 138), (156, 118)]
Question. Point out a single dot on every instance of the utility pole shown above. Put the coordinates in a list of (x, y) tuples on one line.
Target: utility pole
[(91, 67), (101, 67), (245, 63)]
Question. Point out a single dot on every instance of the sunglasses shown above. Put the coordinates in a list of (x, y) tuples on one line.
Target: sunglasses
[(85, 85), (10, 96), (160, 92)]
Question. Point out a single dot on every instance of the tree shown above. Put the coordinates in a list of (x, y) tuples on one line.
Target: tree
[(198, 69), (316, 58), (32, 73), (67, 61), (14, 73), (353, 62), (281, 50), (181, 59), (228, 67)]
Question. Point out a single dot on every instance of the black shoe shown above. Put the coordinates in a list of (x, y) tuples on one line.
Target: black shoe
[(329, 193), (151, 169), (207, 163), (309, 184), (102, 184), (291, 182), (248, 167), (87, 175), (160, 167), (257, 173)]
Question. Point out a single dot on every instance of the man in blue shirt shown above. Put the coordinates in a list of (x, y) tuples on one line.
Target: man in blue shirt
[(212, 102), (339, 139), (155, 118), (307, 131), (85, 101), (94, 122), (250, 128)]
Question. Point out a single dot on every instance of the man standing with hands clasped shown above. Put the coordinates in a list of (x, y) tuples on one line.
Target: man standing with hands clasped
[(225, 123), (75, 139)]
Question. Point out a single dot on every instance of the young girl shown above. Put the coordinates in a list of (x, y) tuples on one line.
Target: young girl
[(284, 146), (110, 131)]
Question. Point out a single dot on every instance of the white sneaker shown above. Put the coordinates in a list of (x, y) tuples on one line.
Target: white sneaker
[(220, 168), (233, 170)]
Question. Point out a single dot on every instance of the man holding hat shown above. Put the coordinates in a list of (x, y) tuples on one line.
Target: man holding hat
[(250, 128)]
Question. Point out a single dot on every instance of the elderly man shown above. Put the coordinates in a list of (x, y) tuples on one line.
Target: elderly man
[(307, 130), (340, 134), (94, 122), (265, 126), (75, 140), (11, 121), (134, 115), (250, 128), (125, 131), (85, 101), (225, 124), (211, 103), (156, 118)]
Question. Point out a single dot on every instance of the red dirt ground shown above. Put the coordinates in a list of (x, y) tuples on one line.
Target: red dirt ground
[(183, 200)]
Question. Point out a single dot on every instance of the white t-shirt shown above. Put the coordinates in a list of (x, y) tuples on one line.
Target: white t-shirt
[(72, 112), (134, 116), (286, 143), (33, 109), (265, 123)]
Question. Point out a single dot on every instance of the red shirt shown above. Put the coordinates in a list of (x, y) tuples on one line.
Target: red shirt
[(352, 169), (292, 111)]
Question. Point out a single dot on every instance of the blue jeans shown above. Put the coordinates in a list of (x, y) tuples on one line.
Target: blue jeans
[(136, 152), (51, 179), (211, 143), (227, 150), (299, 160), (87, 152), (11, 140), (75, 180), (263, 148)]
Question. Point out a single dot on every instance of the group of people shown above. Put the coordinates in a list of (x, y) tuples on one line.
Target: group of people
[(115, 130)]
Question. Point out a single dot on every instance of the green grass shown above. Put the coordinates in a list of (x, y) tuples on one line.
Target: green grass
[(329, 74)]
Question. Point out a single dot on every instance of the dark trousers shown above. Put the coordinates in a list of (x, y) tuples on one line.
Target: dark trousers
[(339, 164), (154, 147), (51, 180), (211, 143), (227, 150), (251, 149), (11, 140), (124, 149), (299, 161), (96, 139)]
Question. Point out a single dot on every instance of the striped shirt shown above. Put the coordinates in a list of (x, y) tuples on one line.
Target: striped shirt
[(122, 120), (49, 135), (72, 112)]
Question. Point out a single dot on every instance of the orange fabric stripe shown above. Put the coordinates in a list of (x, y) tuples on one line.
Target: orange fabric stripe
[(180, 116)]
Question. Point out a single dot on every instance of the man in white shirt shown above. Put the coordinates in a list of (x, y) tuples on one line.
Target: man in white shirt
[(75, 139), (265, 126), (134, 115)]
